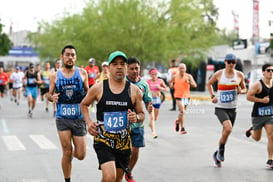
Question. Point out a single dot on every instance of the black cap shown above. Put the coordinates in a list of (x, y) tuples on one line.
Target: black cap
[(31, 65)]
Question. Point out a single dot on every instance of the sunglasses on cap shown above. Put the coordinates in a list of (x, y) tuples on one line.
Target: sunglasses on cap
[(269, 70), (231, 62)]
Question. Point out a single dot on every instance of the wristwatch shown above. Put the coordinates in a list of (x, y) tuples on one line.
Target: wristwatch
[(212, 96), (137, 116)]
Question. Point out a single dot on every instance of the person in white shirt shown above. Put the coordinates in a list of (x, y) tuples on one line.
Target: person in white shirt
[(17, 78), (171, 73)]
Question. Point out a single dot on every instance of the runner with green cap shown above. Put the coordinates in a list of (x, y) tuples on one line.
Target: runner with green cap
[(116, 54)]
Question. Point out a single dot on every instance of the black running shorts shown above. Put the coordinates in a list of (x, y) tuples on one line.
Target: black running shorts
[(106, 154), (2, 88), (225, 114)]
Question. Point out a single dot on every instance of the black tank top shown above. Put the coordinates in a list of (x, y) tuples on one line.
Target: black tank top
[(262, 109), (30, 79), (114, 103)]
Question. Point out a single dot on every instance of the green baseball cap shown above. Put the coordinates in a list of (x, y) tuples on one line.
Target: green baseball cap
[(115, 54)]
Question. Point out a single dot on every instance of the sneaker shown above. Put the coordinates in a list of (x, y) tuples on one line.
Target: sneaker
[(217, 162), (46, 109), (248, 132), (172, 109), (29, 114), (176, 126), (220, 155), (154, 136), (269, 163), (129, 178), (15, 100), (183, 131)]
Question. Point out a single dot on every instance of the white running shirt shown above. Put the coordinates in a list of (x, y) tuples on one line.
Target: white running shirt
[(17, 79), (227, 91)]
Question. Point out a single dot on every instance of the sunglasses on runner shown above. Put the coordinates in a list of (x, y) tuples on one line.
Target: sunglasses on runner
[(269, 70), (231, 61)]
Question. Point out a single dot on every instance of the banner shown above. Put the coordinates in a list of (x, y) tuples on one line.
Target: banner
[(236, 21), (255, 33)]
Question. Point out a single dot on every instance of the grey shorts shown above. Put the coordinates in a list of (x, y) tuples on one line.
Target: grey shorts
[(259, 122), (76, 126), (225, 114)]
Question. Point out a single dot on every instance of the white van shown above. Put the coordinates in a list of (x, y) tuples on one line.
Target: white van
[(254, 76)]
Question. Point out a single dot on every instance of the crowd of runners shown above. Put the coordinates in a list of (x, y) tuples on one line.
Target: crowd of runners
[(116, 92)]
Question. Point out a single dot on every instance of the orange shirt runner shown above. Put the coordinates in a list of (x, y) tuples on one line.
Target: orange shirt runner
[(181, 86)]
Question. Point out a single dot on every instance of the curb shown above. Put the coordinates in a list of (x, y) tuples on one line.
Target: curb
[(193, 97)]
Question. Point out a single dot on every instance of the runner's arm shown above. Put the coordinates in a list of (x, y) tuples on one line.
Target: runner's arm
[(255, 89), (211, 81), (138, 115), (92, 95), (85, 79), (39, 80), (52, 96), (192, 82), (242, 89), (163, 86)]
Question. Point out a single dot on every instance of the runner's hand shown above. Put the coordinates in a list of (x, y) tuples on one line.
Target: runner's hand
[(150, 107), (214, 100), (55, 97), (238, 89), (92, 128), (265, 100), (132, 117)]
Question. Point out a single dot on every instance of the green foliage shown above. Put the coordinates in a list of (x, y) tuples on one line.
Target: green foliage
[(5, 42), (225, 37), (145, 29)]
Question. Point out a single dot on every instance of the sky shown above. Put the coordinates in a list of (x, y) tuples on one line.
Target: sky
[(24, 14), (244, 8)]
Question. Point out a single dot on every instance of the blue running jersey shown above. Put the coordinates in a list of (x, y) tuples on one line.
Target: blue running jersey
[(71, 92)]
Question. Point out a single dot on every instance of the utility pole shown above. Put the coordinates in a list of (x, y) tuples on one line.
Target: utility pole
[(236, 23), (256, 28)]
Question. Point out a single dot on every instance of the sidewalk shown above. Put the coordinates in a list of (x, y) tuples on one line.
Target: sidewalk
[(195, 95)]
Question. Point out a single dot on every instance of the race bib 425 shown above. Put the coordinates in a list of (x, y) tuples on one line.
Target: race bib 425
[(115, 121)]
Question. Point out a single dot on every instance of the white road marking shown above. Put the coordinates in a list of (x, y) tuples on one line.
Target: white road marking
[(34, 180), (5, 127), (43, 142), (13, 143)]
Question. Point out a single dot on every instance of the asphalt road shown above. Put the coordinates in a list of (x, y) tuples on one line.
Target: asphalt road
[(30, 150)]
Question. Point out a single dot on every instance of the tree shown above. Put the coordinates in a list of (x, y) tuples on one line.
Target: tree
[(141, 28), (5, 42), (225, 37)]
